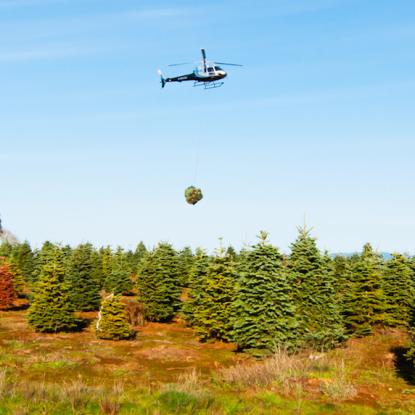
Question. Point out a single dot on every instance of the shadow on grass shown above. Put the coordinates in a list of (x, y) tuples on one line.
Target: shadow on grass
[(20, 307), (404, 367)]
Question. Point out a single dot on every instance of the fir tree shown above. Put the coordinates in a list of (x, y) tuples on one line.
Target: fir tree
[(263, 313), (159, 283), (365, 305), (399, 290), (7, 290), (119, 281), (22, 257), (112, 321), (41, 258), (197, 273), (318, 313), (83, 288), (105, 255), (213, 305), (185, 265), (51, 310)]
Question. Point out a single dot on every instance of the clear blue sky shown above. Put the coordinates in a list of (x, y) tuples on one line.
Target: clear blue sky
[(318, 123)]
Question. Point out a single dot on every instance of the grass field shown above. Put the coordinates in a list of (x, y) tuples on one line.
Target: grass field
[(165, 370)]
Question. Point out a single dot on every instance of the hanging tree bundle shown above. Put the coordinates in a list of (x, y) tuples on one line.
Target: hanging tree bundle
[(193, 195)]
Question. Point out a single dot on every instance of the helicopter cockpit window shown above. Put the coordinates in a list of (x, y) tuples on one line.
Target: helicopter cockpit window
[(211, 69), (217, 68)]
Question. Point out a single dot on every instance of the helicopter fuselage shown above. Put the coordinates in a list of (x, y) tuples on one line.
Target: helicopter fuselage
[(211, 74)]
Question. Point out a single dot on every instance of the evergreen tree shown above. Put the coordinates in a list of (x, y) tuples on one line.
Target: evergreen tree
[(185, 265), (22, 257), (112, 321), (197, 273), (51, 310), (263, 313), (213, 305), (83, 288), (318, 314), (365, 305), (7, 290), (139, 254), (105, 256), (119, 281), (5, 249), (159, 283), (399, 290), (41, 258)]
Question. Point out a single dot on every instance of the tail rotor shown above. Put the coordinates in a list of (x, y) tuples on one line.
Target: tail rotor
[(162, 79)]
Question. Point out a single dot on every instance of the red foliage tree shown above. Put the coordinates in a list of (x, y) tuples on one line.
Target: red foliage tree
[(7, 291)]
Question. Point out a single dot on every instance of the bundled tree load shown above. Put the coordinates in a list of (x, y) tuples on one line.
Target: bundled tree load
[(193, 195)]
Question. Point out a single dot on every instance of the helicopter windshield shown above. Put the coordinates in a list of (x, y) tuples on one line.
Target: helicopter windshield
[(211, 69), (218, 68)]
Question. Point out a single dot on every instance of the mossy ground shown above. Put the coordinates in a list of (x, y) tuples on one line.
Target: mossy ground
[(166, 370)]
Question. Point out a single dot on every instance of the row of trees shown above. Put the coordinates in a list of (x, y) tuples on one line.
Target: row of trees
[(258, 298)]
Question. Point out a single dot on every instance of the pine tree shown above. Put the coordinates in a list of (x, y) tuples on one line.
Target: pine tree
[(365, 305), (7, 290), (51, 310), (263, 313), (196, 274), (399, 290), (318, 313), (119, 281), (213, 305), (83, 288), (159, 283), (112, 321)]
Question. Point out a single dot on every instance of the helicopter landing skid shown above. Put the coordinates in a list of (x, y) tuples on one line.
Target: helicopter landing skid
[(209, 85)]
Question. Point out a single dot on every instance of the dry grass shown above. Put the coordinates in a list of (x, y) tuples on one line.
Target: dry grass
[(339, 388), (281, 368), (110, 402), (77, 393)]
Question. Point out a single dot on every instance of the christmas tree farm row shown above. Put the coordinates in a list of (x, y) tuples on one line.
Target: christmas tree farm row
[(258, 298)]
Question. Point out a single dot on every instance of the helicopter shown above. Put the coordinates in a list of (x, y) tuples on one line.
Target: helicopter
[(207, 74)]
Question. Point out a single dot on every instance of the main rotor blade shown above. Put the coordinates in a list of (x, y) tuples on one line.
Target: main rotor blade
[(179, 64), (204, 60), (229, 64)]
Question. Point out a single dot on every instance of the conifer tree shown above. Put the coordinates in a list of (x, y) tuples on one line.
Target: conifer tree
[(5, 249), (105, 255), (185, 264), (399, 291), (7, 290), (212, 316), (22, 258), (112, 321), (83, 288), (197, 273), (318, 313), (263, 313), (139, 254), (41, 258), (51, 310), (365, 305), (159, 283), (119, 281)]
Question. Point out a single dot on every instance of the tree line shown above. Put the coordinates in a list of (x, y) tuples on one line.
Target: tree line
[(258, 298)]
